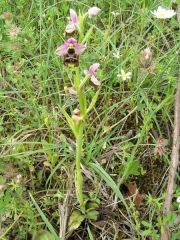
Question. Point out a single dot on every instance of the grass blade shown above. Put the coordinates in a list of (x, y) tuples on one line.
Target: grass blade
[(110, 182), (44, 218)]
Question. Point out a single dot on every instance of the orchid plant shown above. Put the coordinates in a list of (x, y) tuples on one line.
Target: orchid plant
[(71, 51)]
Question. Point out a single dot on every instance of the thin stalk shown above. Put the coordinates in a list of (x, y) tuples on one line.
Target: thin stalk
[(78, 176), (79, 142), (81, 28)]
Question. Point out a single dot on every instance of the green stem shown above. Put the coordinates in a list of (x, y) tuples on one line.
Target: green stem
[(79, 142), (81, 28), (78, 177)]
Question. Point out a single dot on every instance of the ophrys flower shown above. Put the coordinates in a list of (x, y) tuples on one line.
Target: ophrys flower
[(71, 50), (92, 73), (74, 21)]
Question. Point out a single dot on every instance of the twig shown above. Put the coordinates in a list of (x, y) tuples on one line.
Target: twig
[(64, 209), (174, 157)]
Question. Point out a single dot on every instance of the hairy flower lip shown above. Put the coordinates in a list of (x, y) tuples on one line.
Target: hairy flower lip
[(71, 43)]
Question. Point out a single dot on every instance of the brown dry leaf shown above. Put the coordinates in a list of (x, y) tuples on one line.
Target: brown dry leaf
[(134, 193), (10, 171)]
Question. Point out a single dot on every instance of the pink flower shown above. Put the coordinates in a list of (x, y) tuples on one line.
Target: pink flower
[(160, 147), (92, 72), (70, 91), (7, 15), (71, 43), (93, 11), (14, 31), (71, 27), (147, 53), (145, 58)]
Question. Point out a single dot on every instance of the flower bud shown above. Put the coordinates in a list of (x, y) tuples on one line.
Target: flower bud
[(93, 11), (145, 58), (76, 116), (76, 112), (70, 91), (18, 178), (7, 16)]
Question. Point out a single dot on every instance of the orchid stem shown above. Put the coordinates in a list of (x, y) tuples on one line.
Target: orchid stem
[(79, 143), (79, 178)]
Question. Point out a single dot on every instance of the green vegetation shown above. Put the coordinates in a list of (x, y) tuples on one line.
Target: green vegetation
[(119, 150)]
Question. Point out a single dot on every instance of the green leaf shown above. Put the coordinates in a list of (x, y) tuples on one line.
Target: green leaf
[(175, 235), (46, 236), (91, 205), (110, 182), (92, 215), (75, 220), (88, 34), (146, 224), (90, 233), (93, 102), (133, 167), (69, 120), (82, 102), (44, 218), (147, 232)]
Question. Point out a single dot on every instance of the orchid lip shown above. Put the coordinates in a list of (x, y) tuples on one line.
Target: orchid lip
[(71, 43)]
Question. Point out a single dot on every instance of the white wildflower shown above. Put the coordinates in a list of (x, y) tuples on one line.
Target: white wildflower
[(115, 13), (178, 199), (163, 13), (116, 55), (124, 75)]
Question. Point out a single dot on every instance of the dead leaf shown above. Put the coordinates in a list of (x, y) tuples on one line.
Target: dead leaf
[(134, 193)]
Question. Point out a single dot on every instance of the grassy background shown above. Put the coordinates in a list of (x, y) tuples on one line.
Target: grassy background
[(129, 116)]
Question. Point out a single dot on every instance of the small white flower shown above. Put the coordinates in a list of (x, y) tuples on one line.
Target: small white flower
[(124, 75), (115, 13), (163, 13), (116, 55), (178, 199)]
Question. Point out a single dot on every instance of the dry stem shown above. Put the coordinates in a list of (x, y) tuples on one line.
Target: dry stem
[(174, 157)]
